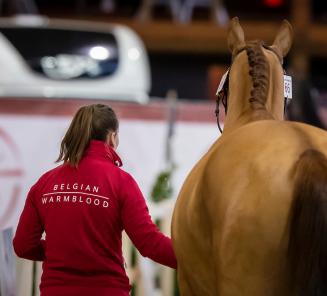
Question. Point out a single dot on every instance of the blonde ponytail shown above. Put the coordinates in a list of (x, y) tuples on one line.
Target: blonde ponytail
[(91, 122), (77, 137)]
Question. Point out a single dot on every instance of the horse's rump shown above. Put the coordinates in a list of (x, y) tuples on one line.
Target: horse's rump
[(249, 203)]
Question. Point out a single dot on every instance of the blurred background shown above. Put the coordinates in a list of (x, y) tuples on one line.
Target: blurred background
[(158, 64)]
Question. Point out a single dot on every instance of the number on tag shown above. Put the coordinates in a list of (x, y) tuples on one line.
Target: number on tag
[(287, 87)]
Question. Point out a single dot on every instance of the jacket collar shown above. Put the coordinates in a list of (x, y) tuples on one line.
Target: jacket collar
[(102, 149)]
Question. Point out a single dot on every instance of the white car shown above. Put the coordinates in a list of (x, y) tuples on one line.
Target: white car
[(40, 57)]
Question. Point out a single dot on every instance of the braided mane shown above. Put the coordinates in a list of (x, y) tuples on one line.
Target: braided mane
[(259, 71)]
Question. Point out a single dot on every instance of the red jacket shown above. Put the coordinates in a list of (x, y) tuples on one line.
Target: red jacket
[(83, 212)]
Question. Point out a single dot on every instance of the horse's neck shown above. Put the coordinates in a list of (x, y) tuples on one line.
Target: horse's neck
[(241, 111), (241, 116)]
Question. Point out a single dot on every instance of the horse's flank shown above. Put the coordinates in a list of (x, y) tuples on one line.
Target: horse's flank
[(235, 211)]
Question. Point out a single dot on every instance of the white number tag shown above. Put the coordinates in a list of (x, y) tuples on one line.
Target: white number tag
[(287, 87), (222, 82)]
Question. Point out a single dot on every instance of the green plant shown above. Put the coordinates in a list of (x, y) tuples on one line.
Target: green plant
[(162, 188)]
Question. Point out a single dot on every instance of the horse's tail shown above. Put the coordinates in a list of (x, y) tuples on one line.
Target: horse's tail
[(307, 249)]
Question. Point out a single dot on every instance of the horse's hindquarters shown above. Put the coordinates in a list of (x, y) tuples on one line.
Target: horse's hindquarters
[(230, 226), (253, 174)]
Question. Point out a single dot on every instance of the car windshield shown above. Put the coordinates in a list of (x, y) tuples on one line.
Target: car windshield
[(65, 54)]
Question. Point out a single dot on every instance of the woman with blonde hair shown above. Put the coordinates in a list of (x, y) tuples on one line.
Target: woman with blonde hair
[(83, 205)]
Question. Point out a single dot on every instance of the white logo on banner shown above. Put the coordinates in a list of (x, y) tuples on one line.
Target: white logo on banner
[(10, 178)]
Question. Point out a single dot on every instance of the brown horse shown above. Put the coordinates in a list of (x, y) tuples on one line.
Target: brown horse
[(251, 218)]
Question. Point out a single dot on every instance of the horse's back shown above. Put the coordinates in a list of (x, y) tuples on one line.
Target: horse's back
[(241, 192)]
